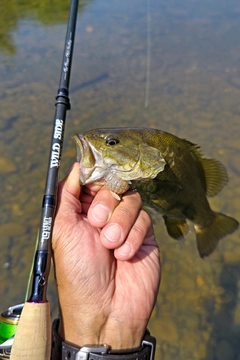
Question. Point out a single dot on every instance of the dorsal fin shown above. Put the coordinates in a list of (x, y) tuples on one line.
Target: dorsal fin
[(213, 174)]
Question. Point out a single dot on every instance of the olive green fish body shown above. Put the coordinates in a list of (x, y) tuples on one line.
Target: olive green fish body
[(171, 175)]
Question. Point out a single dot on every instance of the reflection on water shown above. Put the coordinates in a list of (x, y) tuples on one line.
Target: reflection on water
[(194, 93), (45, 12)]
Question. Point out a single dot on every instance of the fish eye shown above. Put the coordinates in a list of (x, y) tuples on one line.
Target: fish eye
[(112, 141)]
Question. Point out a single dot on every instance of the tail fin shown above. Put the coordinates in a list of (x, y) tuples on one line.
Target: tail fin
[(208, 237)]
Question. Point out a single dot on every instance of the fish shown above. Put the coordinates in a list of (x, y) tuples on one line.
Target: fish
[(171, 174)]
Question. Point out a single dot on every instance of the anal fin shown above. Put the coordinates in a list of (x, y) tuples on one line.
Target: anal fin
[(177, 228)]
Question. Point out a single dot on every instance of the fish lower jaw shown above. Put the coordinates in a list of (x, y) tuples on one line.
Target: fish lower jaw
[(91, 175), (99, 181)]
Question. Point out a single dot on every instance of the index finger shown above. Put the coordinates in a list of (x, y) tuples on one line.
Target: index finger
[(102, 207)]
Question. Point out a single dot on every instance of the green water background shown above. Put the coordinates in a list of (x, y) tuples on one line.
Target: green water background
[(194, 93)]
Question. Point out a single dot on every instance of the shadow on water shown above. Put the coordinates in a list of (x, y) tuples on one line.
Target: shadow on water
[(224, 342), (93, 81), (46, 12)]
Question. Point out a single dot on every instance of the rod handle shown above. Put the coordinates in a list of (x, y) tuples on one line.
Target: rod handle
[(33, 337)]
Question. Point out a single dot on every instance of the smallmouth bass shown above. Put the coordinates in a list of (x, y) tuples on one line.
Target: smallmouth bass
[(171, 175)]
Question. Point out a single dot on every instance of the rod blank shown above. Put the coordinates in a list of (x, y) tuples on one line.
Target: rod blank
[(33, 336)]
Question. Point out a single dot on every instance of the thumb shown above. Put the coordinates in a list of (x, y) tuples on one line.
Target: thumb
[(72, 184), (69, 188)]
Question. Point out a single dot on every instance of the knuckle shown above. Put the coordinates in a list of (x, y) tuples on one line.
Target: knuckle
[(125, 212), (142, 224), (132, 197)]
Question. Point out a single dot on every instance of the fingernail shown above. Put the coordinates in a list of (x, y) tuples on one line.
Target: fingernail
[(125, 249), (100, 213), (113, 233)]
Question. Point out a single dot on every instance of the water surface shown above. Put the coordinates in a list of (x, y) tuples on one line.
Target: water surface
[(194, 90)]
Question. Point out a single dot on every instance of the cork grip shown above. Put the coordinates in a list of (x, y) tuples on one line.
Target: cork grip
[(32, 340)]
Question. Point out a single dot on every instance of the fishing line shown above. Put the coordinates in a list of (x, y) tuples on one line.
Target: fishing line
[(148, 67), (31, 270)]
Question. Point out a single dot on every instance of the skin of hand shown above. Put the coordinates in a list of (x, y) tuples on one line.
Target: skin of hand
[(106, 263)]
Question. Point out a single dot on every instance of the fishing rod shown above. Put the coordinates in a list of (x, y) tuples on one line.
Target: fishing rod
[(33, 336)]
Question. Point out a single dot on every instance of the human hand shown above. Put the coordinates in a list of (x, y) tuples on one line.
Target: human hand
[(106, 264)]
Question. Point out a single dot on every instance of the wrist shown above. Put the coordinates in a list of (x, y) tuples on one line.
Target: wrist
[(119, 334), (62, 350)]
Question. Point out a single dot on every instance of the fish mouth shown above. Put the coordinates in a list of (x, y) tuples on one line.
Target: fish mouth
[(82, 146), (89, 160), (83, 151)]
